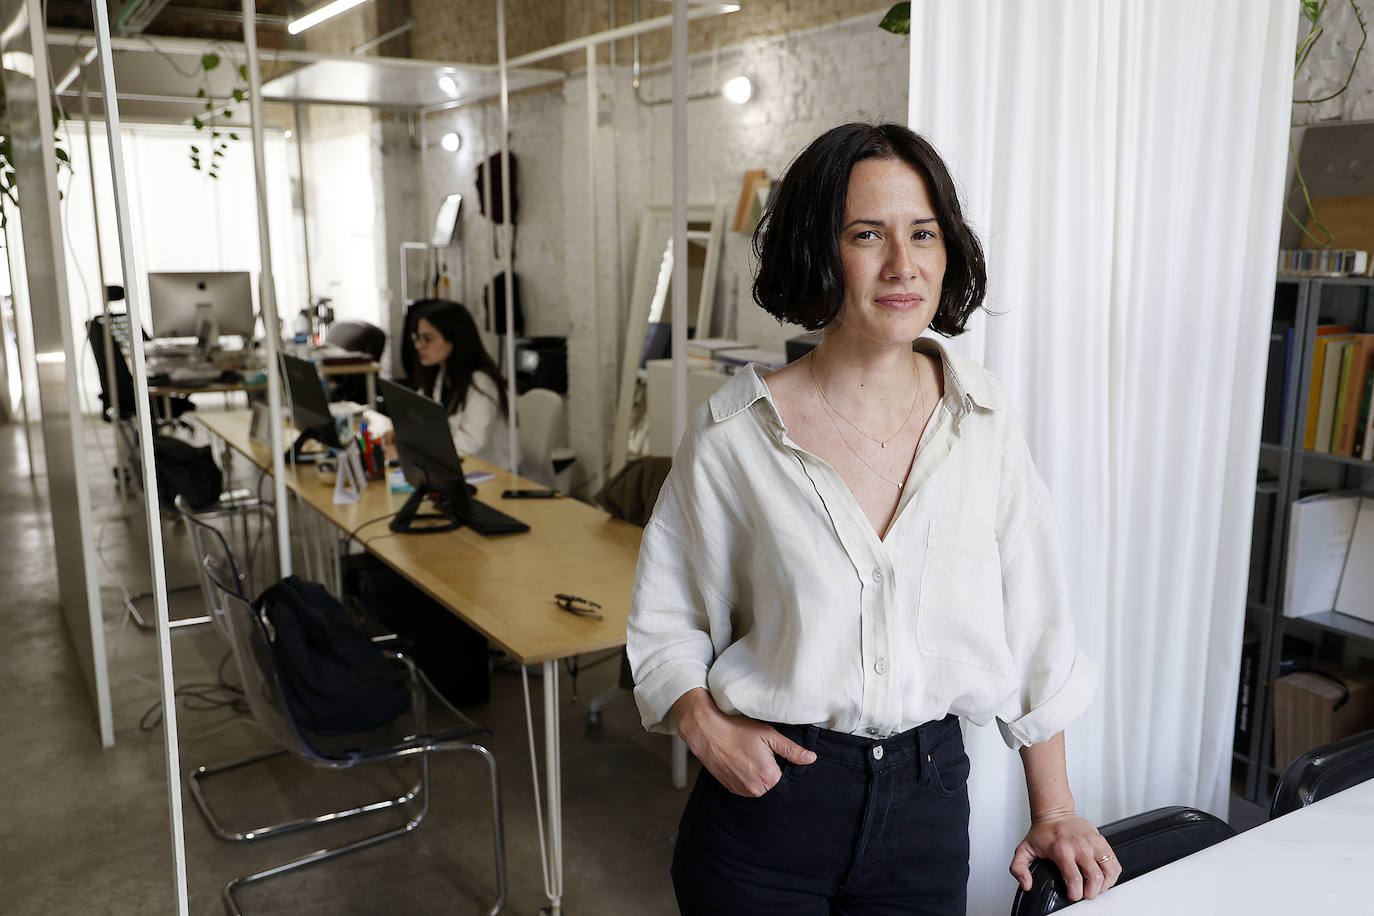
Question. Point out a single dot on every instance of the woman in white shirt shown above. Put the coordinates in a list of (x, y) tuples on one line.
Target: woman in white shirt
[(453, 368), (851, 554)]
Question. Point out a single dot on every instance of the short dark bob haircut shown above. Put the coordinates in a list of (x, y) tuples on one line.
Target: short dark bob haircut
[(800, 277)]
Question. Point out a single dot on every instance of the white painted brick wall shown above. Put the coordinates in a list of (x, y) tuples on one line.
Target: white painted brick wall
[(804, 83)]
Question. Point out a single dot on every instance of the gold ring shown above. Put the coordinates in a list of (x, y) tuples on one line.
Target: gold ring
[(1104, 859)]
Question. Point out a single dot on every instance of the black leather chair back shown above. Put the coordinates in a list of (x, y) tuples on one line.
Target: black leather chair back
[(1324, 771), (1141, 843), (359, 336)]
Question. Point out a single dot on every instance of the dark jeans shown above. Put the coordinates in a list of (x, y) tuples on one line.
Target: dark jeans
[(871, 827)]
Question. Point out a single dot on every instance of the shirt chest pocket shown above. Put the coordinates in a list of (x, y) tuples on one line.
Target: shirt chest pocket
[(959, 611)]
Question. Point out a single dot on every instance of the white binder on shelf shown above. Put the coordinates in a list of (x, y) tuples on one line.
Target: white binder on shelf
[(1319, 532), (1356, 595)]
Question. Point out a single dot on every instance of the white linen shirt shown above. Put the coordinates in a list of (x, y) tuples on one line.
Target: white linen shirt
[(761, 579)]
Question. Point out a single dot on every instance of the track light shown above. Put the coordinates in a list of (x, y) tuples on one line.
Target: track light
[(737, 90)]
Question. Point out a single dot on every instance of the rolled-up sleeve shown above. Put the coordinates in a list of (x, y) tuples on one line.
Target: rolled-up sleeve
[(1055, 679)]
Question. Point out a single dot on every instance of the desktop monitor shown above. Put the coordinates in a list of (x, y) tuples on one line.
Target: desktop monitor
[(181, 301), (309, 405), (432, 466)]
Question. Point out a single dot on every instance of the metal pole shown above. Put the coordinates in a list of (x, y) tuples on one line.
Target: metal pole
[(145, 433), (267, 292), (19, 299), (111, 387), (305, 210), (679, 220), (506, 224), (594, 289)]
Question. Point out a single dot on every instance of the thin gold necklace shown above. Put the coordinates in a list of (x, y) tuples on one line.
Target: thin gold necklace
[(881, 442), (825, 406)]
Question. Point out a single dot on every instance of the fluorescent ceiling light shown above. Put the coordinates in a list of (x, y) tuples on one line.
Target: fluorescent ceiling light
[(320, 14), (450, 142)]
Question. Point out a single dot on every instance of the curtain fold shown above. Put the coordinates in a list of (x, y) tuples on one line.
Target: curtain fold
[(1123, 163)]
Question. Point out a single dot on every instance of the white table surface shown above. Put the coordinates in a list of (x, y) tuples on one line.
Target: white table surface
[(1317, 860)]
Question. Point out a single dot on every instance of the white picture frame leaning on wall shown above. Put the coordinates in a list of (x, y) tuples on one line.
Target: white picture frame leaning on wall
[(649, 297)]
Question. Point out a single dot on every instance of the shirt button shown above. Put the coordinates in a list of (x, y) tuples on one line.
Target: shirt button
[(871, 730), (877, 575), (878, 752), (881, 666)]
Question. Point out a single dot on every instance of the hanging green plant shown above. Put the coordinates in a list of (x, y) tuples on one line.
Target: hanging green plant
[(7, 183), (898, 20), (208, 160), (1312, 11)]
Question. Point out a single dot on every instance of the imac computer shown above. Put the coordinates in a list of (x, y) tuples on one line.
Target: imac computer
[(432, 466), (201, 305), (309, 406)]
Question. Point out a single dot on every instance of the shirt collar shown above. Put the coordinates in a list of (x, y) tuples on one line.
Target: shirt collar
[(966, 383)]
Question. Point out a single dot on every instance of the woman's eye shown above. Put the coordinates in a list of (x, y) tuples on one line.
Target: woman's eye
[(923, 235), (866, 235)]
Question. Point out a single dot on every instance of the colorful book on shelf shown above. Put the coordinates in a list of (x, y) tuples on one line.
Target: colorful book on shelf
[(1319, 531), (1362, 423), (1324, 334), (1352, 388), (1337, 355)]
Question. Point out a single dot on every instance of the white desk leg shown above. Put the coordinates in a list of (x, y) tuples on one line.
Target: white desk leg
[(679, 763), (550, 852), (553, 775), (372, 389)]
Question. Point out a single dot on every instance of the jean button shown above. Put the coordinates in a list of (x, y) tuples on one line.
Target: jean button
[(878, 752), (871, 730)]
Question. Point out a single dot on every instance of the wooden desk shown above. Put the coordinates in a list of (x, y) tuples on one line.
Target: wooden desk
[(1315, 860), (502, 586), (327, 370)]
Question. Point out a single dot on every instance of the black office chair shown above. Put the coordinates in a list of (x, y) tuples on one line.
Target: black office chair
[(1325, 771), (258, 665), (1141, 844), (124, 380), (360, 337)]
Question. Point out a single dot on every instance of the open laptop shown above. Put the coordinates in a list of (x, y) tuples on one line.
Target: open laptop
[(309, 405), (433, 468)]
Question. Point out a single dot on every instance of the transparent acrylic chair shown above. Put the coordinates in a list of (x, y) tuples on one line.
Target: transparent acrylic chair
[(408, 737)]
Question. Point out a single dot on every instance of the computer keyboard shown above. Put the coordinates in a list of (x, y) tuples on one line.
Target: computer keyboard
[(485, 520)]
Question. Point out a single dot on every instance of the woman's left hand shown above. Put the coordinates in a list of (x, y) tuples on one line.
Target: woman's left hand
[(1084, 857)]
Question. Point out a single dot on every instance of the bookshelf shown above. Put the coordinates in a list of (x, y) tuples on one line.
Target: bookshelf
[(1287, 470)]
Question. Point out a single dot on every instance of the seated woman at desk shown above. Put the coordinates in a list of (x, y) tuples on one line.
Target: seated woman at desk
[(453, 368)]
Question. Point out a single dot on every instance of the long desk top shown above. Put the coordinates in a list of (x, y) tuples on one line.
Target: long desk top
[(1314, 860), (503, 585)]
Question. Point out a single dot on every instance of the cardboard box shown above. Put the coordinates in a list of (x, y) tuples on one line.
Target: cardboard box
[(1306, 714)]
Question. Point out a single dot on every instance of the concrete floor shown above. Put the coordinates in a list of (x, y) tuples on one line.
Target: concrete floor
[(86, 828)]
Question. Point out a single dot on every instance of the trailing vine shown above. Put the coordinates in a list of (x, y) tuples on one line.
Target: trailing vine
[(209, 160), (7, 182), (1312, 11)]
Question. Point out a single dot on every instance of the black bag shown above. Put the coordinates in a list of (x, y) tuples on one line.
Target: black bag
[(186, 470), (336, 680)]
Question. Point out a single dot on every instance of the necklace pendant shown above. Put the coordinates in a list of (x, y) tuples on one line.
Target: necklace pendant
[(883, 444)]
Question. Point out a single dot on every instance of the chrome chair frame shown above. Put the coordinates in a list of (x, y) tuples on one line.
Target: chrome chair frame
[(252, 653)]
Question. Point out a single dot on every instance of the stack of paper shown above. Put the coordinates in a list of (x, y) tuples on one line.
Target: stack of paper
[(1319, 532)]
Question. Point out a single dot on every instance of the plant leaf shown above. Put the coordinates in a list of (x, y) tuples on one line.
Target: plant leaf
[(62, 155), (898, 20), (198, 124), (209, 61), (200, 93), (243, 72), (233, 136), (239, 95)]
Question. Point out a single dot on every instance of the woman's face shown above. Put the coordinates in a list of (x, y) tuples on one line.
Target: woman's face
[(430, 346), (893, 253)]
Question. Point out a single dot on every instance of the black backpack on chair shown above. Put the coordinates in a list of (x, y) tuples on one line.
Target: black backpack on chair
[(336, 680)]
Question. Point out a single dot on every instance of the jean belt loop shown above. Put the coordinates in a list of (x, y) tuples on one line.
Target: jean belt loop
[(922, 741), (810, 736)]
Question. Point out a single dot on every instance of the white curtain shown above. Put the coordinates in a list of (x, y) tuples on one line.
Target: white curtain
[(1123, 163)]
